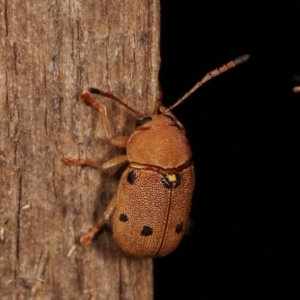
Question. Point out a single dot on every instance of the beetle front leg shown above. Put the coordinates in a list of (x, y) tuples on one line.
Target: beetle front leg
[(72, 161), (119, 141), (87, 238)]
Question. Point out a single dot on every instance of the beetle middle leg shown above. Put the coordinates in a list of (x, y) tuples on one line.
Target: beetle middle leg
[(119, 141), (87, 238)]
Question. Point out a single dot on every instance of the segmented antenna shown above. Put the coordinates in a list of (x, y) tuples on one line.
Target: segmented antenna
[(233, 63), (111, 96)]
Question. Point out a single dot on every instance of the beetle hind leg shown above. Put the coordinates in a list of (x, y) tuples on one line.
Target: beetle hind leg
[(87, 238)]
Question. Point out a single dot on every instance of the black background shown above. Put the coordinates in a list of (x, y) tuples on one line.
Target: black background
[(240, 126)]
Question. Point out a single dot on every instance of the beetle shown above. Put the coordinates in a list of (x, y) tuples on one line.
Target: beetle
[(151, 209)]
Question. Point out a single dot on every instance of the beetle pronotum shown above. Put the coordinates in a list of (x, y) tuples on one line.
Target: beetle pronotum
[(152, 205)]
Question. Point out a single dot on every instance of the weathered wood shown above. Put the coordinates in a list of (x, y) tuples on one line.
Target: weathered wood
[(51, 51)]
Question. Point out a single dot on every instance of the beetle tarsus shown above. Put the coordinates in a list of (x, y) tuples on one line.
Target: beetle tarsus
[(70, 161), (87, 238)]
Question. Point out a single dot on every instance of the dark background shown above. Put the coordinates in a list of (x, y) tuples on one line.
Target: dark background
[(240, 126)]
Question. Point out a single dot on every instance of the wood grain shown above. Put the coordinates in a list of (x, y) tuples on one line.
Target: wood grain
[(51, 51)]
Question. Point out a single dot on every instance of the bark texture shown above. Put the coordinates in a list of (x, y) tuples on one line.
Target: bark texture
[(51, 51)]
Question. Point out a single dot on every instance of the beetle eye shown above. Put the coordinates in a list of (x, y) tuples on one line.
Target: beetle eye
[(143, 121)]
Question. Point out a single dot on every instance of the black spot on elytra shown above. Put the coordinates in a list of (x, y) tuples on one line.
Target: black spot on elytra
[(179, 228), (131, 177), (167, 184), (146, 231), (123, 218)]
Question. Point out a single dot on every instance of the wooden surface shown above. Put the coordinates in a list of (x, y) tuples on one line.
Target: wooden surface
[(51, 51)]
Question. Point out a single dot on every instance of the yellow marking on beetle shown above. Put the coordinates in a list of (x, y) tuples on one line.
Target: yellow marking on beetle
[(171, 177)]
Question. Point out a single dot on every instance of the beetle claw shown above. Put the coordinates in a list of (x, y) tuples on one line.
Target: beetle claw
[(85, 239), (70, 161)]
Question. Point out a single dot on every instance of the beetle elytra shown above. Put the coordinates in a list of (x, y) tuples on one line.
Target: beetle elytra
[(151, 209)]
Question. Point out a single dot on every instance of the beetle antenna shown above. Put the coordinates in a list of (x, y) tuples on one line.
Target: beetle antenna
[(111, 96), (233, 63)]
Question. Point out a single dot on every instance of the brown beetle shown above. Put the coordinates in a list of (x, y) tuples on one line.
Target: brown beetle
[(151, 208)]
